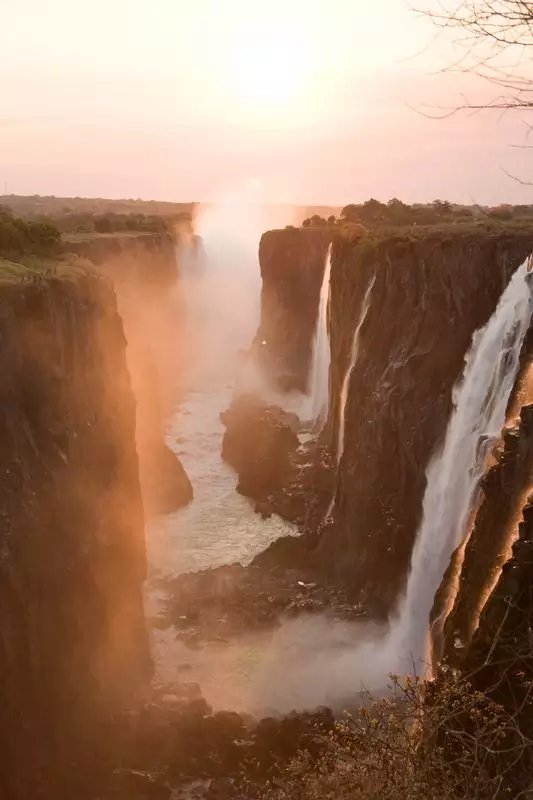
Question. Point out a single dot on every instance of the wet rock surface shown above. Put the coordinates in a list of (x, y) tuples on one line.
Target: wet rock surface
[(306, 497), (284, 477), (216, 604), (260, 443), (176, 744)]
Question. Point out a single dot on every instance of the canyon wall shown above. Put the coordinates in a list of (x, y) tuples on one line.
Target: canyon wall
[(73, 644), (144, 271), (432, 289)]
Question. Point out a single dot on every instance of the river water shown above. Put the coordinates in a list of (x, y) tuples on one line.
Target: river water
[(219, 526)]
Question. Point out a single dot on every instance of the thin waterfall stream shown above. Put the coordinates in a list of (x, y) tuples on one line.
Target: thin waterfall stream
[(354, 353), (320, 359), (345, 389)]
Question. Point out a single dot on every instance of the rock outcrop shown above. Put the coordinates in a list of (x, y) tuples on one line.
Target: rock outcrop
[(73, 644), (260, 443)]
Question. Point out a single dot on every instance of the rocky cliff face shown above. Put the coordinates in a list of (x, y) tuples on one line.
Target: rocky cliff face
[(499, 657), (292, 266), (144, 271), (73, 645), (431, 290)]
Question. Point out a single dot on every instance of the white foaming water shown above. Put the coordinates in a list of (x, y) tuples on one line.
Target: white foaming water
[(354, 353), (320, 359), (454, 474)]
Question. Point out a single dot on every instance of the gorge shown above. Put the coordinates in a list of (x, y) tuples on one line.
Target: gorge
[(334, 468)]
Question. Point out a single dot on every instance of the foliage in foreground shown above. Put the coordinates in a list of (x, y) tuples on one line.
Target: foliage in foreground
[(445, 742)]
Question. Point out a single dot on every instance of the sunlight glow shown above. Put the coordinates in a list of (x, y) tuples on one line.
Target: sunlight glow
[(270, 78), (271, 71)]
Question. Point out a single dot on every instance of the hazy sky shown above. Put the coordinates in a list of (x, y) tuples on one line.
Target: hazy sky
[(308, 102)]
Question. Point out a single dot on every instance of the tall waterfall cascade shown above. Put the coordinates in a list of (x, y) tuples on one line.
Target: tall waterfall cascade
[(321, 355), (354, 353), (454, 474)]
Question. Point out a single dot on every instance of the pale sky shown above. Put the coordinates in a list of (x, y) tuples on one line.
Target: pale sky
[(309, 102)]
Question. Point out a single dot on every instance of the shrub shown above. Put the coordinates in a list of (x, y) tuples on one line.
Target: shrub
[(20, 237), (442, 741)]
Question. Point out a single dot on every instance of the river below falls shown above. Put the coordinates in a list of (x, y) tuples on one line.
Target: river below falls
[(304, 662), (218, 527)]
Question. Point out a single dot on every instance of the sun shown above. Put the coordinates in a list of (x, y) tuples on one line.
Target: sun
[(270, 76)]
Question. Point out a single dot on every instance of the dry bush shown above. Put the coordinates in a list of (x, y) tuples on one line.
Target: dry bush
[(443, 741)]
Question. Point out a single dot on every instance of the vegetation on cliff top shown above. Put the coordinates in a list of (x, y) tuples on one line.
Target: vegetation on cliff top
[(26, 237), (373, 213), (86, 217)]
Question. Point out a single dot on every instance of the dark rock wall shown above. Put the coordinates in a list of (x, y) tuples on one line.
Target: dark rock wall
[(499, 658), (73, 645), (260, 443), (292, 268)]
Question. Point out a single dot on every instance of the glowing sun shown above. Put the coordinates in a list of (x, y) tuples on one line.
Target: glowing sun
[(270, 75)]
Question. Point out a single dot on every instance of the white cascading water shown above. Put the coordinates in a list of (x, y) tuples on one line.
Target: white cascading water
[(320, 359), (354, 353), (454, 474)]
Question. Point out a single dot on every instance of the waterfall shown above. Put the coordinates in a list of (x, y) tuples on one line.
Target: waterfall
[(319, 376), (354, 352), (454, 473)]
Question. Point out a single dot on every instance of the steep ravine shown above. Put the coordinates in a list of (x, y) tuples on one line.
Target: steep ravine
[(73, 645)]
